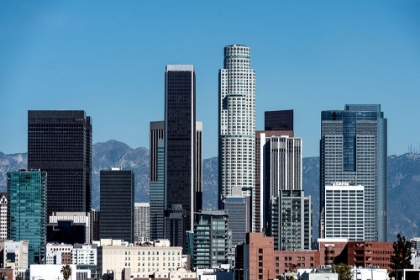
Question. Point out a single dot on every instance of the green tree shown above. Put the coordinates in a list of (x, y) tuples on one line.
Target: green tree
[(401, 258), (66, 271), (343, 270)]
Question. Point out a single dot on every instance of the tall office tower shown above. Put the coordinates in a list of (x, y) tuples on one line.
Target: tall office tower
[(212, 242), (175, 226), (344, 211), (291, 220), (281, 120), (353, 148), (142, 221), (263, 159), (238, 208), (117, 204), (157, 179), (3, 216), (27, 210), (183, 157), (60, 143), (94, 217), (237, 126)]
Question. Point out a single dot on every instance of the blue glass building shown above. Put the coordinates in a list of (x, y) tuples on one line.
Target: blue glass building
[(238, 209), (353, 149), (27, 210)]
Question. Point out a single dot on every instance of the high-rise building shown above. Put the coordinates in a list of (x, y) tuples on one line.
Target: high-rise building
[(354, 149), (117, 204), (94, 218), (237, 126), (183, 155), (60, 143), (142, 221), (69, 228), (344, 211), (27, 210), (157, 179), (212, 241), (281, 120), (238, 209), (277, 123), (175, 226), (3, 216), (291, 220)]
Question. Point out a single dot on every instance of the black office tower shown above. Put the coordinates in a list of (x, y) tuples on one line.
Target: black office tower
[(182, 143), (60, 143), (278, 120), (117, 204)]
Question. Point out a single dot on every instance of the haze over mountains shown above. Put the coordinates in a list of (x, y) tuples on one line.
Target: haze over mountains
[(403, 182)]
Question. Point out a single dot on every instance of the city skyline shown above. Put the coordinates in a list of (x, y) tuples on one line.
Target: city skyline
[(309, 57)]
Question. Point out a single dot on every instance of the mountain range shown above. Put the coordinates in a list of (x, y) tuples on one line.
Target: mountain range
[(403, 182)]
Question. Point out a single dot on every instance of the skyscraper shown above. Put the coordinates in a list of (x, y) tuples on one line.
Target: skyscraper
[(212, 239), (117, 204), (157, 196), (354, 150), (277, 123), (60, 143), (281, 120), (238, 210), (142, 221), (27, 210), (3, 215), (291, 220), (183, 156), (236, 125)]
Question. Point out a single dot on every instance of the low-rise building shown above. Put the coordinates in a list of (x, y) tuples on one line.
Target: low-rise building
[(117, 257), (58, 253), (53, 271)]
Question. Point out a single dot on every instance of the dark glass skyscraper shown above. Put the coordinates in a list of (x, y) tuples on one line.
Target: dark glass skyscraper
[(183, 157), (117, 204), (278, 120), (60, 143), (353, 149), (27, 211), (157, 179)]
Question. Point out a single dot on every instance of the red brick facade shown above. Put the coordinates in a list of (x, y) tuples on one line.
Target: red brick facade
[(265, 263), (365, 253)]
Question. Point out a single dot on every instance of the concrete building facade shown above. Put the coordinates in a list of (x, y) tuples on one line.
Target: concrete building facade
[(353, 148), (115, 256), (236, 125), (142, 221)]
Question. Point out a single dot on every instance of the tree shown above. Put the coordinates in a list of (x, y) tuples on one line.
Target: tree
[(343, 270), (401, 257), (292, 267), (66, 271)]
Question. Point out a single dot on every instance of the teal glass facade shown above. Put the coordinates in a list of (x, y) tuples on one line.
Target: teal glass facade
[(27, 211)]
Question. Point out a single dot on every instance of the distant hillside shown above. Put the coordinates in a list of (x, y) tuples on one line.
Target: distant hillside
[(403, 182)]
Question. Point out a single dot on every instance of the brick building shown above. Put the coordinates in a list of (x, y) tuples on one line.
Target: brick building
[(367, 253), (257, 258)]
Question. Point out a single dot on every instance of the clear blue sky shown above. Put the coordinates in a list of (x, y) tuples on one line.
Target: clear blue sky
[(108, 58)]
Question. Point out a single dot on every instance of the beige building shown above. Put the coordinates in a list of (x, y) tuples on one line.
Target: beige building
[(15, 255), (115, 257)]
